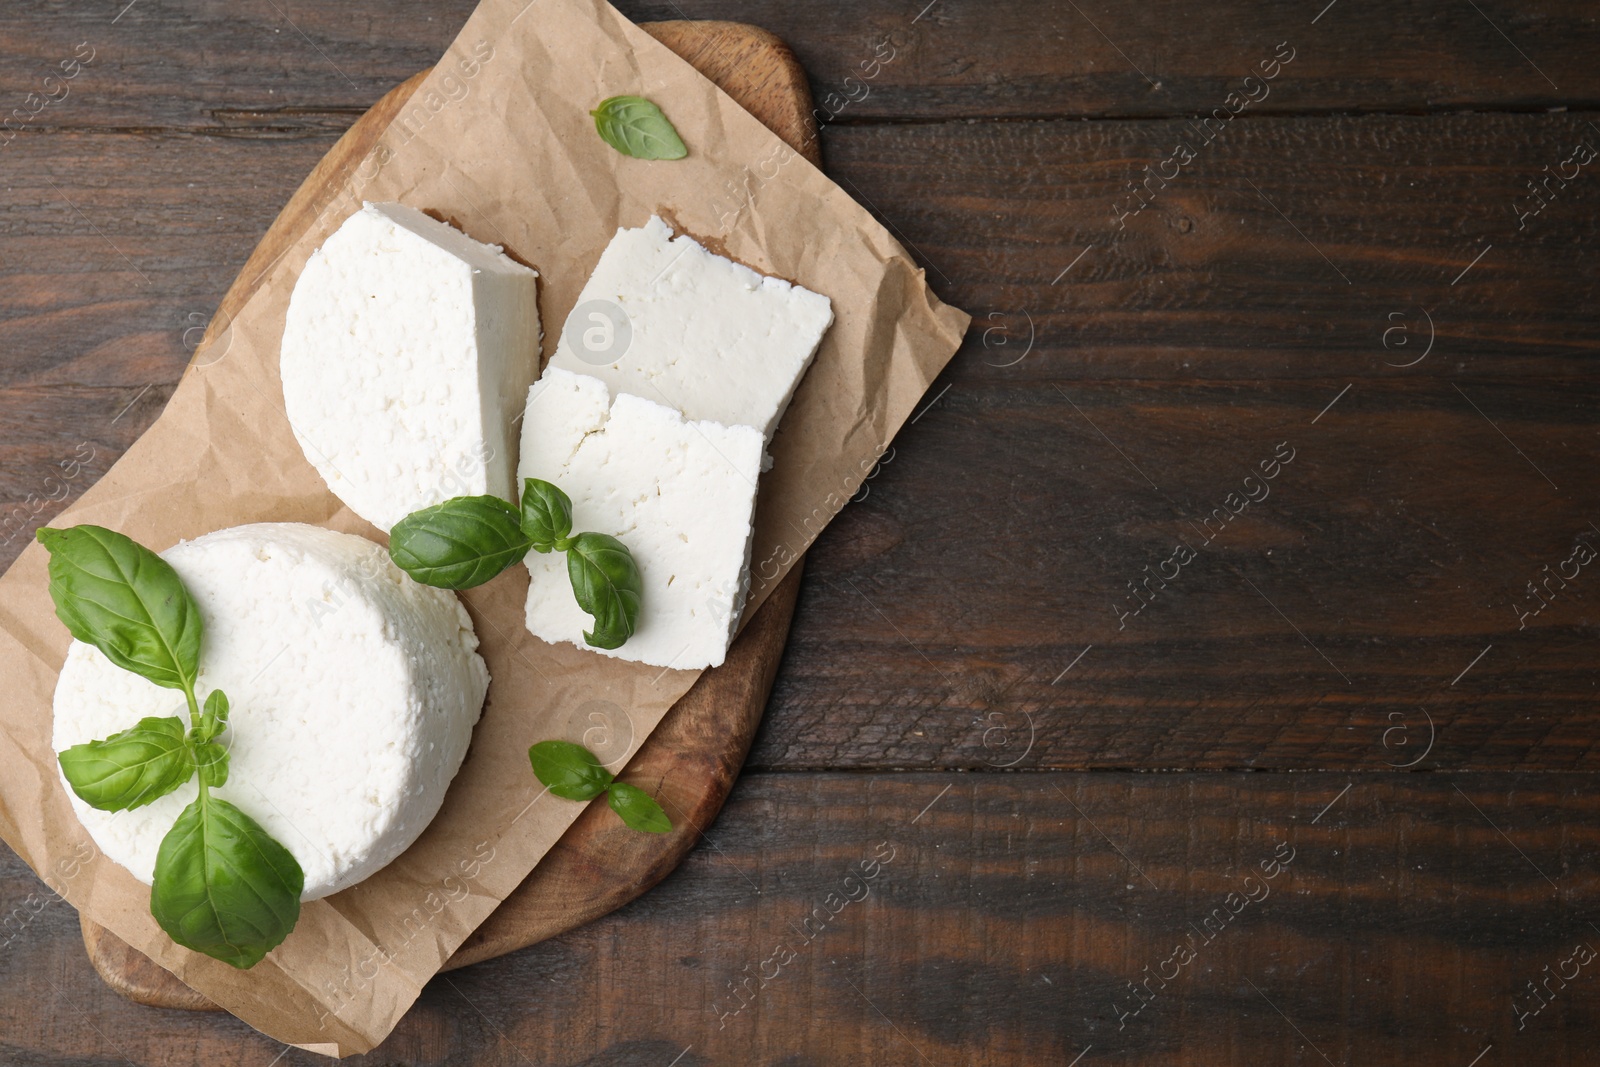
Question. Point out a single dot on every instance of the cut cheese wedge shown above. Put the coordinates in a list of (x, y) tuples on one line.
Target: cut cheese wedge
[(354, 692), (664, 319), (680, 494), (406, 350)]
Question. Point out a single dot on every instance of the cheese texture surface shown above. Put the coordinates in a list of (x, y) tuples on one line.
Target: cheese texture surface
[(354, 692), (407, 348), (680, 494), (696, 332)]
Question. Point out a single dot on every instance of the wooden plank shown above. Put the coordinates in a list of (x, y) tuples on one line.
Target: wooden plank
[(1400, 541), (969, 612), (1402, 206), (1005, 927), (1287, 248), (1165, 364), (255, 70), (1209, 282)]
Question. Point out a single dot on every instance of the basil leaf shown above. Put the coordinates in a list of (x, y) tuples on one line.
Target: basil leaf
[(606, 581), (223, 886), (569, 770), (546, 514), (211, 759), (636, 127), (125, 600), (638, 808), (130, 769), (214, 719), (460, 543)]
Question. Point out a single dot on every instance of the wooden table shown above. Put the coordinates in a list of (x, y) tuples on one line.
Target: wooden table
[(1316, 786)]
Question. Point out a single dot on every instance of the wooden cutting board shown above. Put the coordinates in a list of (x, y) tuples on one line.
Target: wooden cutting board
[(697, 751)]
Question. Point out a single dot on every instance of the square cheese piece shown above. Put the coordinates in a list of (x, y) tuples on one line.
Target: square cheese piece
[(407, 350), (664, 319), (680, 494)]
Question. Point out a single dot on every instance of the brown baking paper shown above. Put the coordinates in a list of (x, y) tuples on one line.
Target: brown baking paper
[(499, 139)]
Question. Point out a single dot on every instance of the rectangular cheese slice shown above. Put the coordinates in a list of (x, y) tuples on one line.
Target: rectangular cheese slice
[(664, 319), (407, 349), (680, 494)]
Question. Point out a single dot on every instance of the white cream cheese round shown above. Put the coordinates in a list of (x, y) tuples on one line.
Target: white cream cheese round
[(354, 691)]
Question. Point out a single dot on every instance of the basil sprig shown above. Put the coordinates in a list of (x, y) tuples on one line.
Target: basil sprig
[(636, 127), (222, 885), (467, 540), (572, 772)]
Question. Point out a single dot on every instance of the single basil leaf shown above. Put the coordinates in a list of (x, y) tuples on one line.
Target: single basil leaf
[(223, 886), (460, 543), (636, 127), (211, 759), (546, 514), (606, 582), (569, 770), (130, 769), (214, 718), (125, 600), (638, 808)]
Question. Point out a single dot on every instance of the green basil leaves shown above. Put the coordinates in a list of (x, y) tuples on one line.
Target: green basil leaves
[(214, 719), (636, 127), (637, 808), (223, 886), (211, 759), (460, 543), (130, 769), (467, 540), (572, 772), (126, 601), (569, 770), (546, 515), (607, 585)]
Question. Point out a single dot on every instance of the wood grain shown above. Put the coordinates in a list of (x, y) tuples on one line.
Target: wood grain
[(1399, 541), (259, 70), (1109, 408), (948, 608), (695, 754), (1005, 929)]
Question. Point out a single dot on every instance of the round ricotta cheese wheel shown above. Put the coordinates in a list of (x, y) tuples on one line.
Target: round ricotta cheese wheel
[(353, 688)]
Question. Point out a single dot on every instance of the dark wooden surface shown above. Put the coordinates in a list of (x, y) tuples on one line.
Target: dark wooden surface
[(1085, 811)]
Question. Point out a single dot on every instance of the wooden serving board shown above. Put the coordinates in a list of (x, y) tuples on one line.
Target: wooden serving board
[(697, 750)]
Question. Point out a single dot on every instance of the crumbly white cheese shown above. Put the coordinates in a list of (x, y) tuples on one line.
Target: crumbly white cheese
[(407, 348), (680, 494), (697, 332), (354, 691)]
